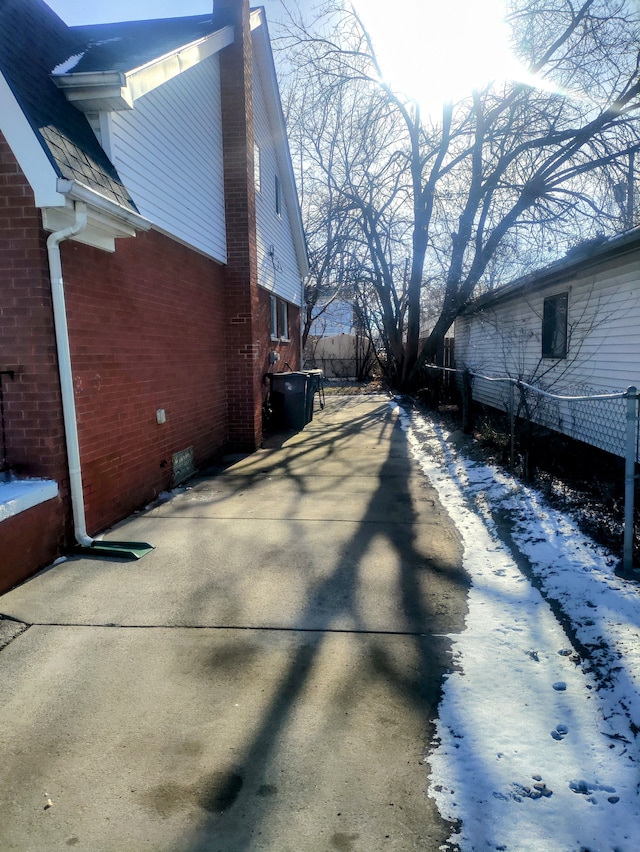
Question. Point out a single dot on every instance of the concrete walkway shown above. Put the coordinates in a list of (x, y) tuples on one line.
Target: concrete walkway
[(265, 679)]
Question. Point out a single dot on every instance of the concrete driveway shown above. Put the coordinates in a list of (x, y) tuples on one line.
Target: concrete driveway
[(266, 679)]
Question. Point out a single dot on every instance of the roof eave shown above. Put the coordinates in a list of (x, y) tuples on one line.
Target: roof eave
[(265, 56), (560, 270), (108, 90), (107, 220)]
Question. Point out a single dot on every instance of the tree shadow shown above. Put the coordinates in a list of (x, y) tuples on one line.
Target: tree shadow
[(429, 587)]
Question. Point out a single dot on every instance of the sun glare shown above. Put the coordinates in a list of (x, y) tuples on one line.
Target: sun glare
[(434, 51)]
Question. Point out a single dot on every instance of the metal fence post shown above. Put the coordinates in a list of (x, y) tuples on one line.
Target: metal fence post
[(467, 402), (629, 478), (512, 426)]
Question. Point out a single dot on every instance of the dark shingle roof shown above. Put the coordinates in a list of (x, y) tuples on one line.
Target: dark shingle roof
[(128, 45), (34, 41)]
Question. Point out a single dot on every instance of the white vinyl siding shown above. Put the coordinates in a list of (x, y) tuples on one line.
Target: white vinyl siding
[(603, 347), (168, 152), (278, 269)]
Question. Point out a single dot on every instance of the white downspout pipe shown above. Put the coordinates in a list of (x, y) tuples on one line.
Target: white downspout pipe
[(64, 367)]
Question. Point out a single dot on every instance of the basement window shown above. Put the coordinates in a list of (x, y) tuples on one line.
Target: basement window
[(554, 326)]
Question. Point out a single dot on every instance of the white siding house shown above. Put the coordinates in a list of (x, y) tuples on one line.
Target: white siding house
[(276, 208), (572, 329), (173, 168)]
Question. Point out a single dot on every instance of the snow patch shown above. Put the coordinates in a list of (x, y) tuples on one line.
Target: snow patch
[(535, 745), (68, 65)]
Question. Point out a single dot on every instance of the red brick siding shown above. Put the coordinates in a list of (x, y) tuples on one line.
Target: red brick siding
[(33, 407), (147, 328), (29, 541), (289, 352), (242, 299), (147, 332)]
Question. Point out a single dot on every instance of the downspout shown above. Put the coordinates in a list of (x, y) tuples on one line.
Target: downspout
[(64, 367)]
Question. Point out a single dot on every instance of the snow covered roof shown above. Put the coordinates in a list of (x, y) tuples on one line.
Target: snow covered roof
[(118, 62), (130, 44)]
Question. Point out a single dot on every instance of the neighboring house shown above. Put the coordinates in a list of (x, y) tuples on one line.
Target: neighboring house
[(335, 343), (572, 329), (335, 317), (151, 260)]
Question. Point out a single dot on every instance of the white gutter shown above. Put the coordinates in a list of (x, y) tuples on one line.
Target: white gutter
[(77, 191), (64, 367)]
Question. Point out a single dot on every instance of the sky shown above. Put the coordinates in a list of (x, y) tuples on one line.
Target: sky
[(535, 747), (429, 50)]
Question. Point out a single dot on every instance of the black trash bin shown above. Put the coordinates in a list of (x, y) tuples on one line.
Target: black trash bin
[(289, 400), (315, 385)]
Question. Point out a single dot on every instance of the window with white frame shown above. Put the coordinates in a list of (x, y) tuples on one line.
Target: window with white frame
[(284, 320), (279, 319)]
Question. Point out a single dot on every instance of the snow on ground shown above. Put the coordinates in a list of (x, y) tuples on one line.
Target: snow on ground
[(535, 745)]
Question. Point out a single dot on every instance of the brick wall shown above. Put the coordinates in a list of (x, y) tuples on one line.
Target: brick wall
[(29, 541), (33, 423), (147, 328), (33, 407), (241, 292), (147, 332), (289, 352)]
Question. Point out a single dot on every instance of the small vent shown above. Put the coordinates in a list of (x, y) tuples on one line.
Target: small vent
[(183, 465)]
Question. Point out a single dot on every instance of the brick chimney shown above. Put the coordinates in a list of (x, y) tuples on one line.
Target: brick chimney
[(243, 379)]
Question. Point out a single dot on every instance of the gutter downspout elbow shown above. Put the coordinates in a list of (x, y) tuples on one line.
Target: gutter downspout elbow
[(65, 371)]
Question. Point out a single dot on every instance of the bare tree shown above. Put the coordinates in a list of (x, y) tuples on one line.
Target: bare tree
[(533, 163)]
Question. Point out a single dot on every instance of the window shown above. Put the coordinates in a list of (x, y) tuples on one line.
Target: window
[(284, 320), (256, 167), (279, 319), (274, 318), (554, 326), (278, 197)]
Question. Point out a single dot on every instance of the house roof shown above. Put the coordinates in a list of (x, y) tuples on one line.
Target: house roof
[(53, 76), (114, 64), (46, 63), (131, 44), (33, 40), (577, 260)]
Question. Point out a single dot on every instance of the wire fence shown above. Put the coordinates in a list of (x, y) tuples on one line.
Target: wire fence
[(608, 421), (598, 419)]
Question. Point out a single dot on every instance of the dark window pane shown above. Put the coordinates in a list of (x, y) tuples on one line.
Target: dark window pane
[(554, 326)]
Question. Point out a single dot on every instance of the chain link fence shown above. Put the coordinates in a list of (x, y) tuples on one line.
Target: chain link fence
[(581, 413), (608, 421)]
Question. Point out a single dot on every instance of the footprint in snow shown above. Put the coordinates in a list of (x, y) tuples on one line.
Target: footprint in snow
[(559, 686), (537, 790), (560, 732), (586, 788)]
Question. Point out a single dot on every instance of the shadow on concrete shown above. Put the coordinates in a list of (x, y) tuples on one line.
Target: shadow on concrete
[(238, 800)]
